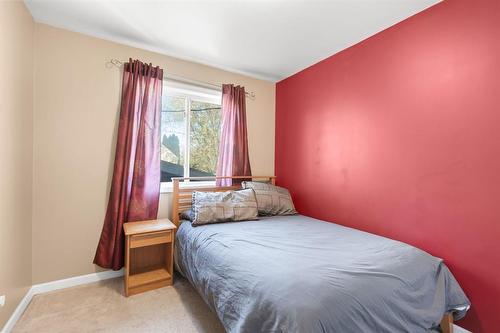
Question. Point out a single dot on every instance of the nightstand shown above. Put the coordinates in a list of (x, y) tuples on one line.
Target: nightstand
[(149, 249)]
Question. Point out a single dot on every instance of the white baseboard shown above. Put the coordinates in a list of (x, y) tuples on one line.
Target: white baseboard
[(9, 325), (55, 285), (74, 281)]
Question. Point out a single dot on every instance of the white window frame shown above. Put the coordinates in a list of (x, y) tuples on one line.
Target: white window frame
[(189, 92)]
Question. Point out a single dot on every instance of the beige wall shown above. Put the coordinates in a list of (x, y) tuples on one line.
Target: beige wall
[(76, 109), (16, 149)]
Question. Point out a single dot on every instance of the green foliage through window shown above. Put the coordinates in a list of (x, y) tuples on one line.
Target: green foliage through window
[(205, 136)]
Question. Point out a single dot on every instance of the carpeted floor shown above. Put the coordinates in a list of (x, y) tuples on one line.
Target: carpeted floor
[(101, 307)]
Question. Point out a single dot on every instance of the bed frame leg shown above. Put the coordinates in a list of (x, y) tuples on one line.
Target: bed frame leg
[(447, 323)]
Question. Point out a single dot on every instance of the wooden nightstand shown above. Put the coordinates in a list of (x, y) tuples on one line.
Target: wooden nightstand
[(149, 249)]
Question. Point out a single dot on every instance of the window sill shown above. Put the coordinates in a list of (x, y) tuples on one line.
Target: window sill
[(167, 187)]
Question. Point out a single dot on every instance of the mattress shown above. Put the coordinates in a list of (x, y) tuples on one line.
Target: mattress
[(299, 274)]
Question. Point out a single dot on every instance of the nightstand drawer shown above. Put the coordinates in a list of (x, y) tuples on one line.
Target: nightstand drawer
[(150, 239)]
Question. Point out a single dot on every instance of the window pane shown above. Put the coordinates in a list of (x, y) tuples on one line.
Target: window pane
[(173, 137), (204, 138)]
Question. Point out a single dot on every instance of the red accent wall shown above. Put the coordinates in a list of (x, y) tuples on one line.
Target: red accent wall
[(400, 136)]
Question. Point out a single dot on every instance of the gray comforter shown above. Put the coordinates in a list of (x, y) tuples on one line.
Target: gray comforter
[(298, 274)]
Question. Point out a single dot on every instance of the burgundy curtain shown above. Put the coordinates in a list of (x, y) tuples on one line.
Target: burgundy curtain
[(233, 148), (135, 187)]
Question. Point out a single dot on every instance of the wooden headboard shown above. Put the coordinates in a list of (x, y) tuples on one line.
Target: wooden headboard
[(181, 198)]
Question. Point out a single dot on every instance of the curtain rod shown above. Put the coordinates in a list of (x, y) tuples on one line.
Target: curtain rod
[(175, 77)]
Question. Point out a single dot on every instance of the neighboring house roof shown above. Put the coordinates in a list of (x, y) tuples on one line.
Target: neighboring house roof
[(167, 154), (169, 170)]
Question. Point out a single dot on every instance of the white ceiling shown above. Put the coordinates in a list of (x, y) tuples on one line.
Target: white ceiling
[(269, 40)]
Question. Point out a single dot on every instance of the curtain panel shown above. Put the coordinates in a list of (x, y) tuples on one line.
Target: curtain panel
[(135, 187), (233, 159)]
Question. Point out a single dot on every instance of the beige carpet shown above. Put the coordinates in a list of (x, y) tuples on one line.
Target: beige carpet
[(101, 307)]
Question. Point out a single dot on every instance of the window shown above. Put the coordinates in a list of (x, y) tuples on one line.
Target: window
[(190, 131)]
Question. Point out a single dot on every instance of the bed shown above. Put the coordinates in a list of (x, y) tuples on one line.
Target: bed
[(298, 274)]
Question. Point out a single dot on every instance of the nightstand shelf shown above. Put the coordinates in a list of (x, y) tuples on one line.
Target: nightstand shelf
[(148, 277), (148, 255)]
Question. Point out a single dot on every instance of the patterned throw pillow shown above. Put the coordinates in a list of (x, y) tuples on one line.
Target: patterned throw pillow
[(271, 199), (213, 207)]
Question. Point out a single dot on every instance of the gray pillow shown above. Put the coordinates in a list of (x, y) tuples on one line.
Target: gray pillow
[(271, 199), (213, 207)]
